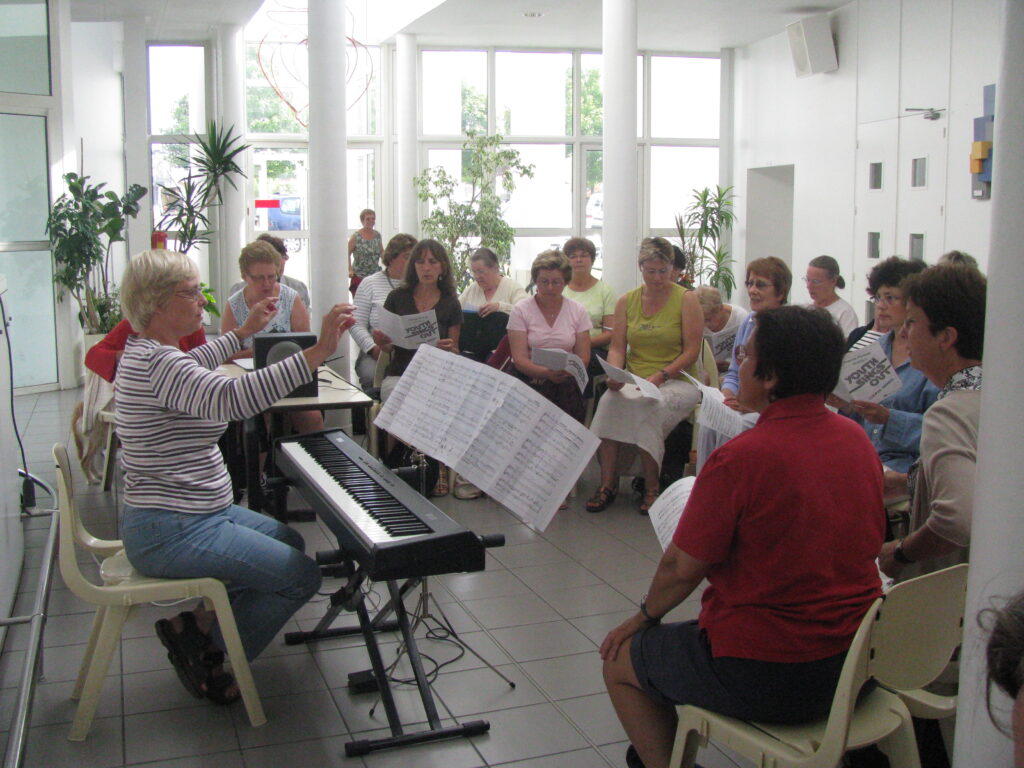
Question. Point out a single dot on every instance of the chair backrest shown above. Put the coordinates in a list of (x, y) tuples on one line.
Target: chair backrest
[(709, 364), (918, 627), (69, 528), (82, 537), (481, 335), (383, 360), (501, 358)]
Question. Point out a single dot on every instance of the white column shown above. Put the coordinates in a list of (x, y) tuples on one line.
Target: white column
[(328, 204), (229, 71), (406, 87), (621, 235), (997, 533), (136, 130)]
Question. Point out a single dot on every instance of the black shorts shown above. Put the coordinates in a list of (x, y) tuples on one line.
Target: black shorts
[(673, 663)]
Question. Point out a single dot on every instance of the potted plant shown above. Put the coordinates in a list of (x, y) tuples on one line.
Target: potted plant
[(187, 211), (82, 226), (708, 216), (466, 213)]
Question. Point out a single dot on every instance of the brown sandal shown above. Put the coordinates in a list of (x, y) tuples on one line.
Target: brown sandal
[(602, 497), (649, 498)]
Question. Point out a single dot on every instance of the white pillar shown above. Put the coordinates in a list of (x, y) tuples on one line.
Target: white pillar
[(405, 106), (328, 203), (997, 532), (136, 130), (229, 71), (621, 235)]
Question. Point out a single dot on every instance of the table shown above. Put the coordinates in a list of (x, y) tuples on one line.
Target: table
[(335, 393)]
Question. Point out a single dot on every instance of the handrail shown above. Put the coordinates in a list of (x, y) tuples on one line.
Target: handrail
[(14, 756)]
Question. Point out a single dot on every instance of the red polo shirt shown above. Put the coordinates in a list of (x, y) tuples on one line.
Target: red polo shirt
[(101, 358), (791, 517)]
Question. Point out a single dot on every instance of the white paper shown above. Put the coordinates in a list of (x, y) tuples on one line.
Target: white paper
[(722, 342), (618, 374), (666, 511), (560, 360), (867, 374), (714, 413), (408, 331), (247, 363), (509, 441)]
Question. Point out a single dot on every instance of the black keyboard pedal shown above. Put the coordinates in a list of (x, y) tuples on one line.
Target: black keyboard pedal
[(362, 682)]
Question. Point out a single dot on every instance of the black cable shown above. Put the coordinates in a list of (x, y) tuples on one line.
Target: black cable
[(28, 489)]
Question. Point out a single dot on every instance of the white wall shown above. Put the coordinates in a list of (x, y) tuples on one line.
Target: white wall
[(893, 54)]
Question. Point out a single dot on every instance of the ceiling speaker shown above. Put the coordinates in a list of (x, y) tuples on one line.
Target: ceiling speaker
[(270, 348), (812, 46)]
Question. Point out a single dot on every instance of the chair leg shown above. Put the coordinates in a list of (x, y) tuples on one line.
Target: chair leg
[(901, 747), (239, 664), (109, 458), (109, 637), (684, 751), (90, 650)]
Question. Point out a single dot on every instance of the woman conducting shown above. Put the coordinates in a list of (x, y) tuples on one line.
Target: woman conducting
[(784, 523), (490, 290), (662, 326), (179, 521), (550, 321)]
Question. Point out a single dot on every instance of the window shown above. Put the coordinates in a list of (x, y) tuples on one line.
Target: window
[(533, 93), (874, 176), (24, 47), (685, 97), (177, 89), (916, 249), (545, 201), (919, 172), (874, 245), (454, 92), (675, 171)]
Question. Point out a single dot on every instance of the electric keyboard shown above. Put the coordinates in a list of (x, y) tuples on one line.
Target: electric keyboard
[(381, 522)]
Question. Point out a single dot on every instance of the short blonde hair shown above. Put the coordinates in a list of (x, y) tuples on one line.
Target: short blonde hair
[(656, 249), (552, 259), (710, 299), (149, 282), (259, 252)]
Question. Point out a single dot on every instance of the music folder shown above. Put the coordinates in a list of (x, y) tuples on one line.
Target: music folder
[(270, 348)]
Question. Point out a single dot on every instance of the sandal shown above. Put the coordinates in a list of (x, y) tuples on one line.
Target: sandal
[(602, 497), (465, 490), (649, 498), (185, 651), (216, 686), (564, 506), (441, 486)]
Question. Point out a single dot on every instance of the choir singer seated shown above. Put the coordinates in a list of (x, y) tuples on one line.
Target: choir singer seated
[(179, 521), (784, 522)]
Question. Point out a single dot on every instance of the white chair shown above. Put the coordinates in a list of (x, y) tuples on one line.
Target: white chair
[(378, 377), (124, 587), (904, 642)]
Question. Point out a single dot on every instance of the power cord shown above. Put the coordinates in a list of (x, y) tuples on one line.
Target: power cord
[(28, 488)]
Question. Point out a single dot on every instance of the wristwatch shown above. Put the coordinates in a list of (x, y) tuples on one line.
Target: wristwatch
[(900, 556), (643, 612)]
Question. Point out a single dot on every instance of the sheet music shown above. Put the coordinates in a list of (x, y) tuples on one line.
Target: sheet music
[(509, 441), (867, 374), (722, 342), (666, 511), (560, 360), (714, 413), (618, 374), (408, 331)]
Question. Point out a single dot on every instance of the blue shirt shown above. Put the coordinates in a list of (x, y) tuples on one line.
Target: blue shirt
[(898, 441), (731, 380)]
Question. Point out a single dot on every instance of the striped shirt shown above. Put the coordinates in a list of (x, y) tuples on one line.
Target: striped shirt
[(172, 409)]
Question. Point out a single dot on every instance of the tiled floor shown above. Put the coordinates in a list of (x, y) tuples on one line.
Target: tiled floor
[(538, 612)]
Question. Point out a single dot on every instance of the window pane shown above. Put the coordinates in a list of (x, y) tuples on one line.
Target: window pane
[(279, 182), (533, 93), (24, 47), (546, 199), (526, 249), (177, 89), (24, 193), (280, 66), (592, 95), (675, 171), (362, 90), (170, 167), (593, 194), (454, 92), (29, 302), (451, 161), (362, 172), (684, 97)]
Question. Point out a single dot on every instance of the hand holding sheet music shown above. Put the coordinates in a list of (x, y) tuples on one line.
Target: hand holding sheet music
[(714, 413), (409, 331), (867, 374), (647, 389), (666, 511), (560, 360)]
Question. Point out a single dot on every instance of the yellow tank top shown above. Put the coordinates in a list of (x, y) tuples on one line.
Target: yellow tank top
[(653, 341)]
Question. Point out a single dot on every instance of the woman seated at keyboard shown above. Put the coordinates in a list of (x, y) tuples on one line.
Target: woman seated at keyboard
[(179, 522), (783, 522)]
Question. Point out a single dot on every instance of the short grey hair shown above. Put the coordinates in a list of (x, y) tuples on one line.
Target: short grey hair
[(710, 299), (149, 282)]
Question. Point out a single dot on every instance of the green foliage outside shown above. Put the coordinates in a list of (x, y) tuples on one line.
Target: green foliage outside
[(82, 226), (708, 216), (265, 111), (489, 173)]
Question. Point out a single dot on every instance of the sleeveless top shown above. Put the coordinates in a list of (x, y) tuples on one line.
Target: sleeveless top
[(282, 322), (653, 341), (366, 256)]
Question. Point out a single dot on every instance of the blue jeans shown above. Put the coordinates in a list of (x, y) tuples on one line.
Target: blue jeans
[(269, 577)]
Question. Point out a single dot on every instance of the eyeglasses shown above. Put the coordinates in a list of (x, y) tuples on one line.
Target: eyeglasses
[(653, 272), (194, 295), (815, 280), (555, 282), (886, 299), (741, 353), (263, 278), (759, 284)]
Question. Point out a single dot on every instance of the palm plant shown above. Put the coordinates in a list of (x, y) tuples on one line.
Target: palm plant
[(708, 216)]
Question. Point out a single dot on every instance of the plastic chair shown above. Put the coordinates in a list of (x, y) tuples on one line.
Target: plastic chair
[(110, 453), (124, 587), (904, 641), (378, 377)]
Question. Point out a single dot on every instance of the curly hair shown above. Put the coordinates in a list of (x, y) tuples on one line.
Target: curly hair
[(892, 272)]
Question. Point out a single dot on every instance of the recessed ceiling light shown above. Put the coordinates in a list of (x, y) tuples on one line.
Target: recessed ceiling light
[(532, 14)]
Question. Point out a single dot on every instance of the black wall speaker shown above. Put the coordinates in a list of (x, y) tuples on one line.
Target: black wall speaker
[(812, 46), (270, 348)]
